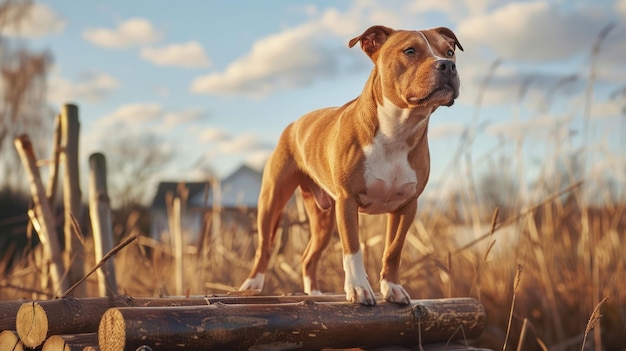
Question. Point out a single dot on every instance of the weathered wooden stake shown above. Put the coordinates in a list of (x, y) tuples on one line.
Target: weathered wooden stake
[(177, 244), (53, 169), (301, 326), (100, 214), (176, 208), (72, 195), (47, 232)]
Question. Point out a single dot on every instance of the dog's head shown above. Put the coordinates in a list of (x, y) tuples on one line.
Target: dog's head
[(416, 68)]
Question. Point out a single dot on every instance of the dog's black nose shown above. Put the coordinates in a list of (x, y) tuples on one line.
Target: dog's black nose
[(445, 66)]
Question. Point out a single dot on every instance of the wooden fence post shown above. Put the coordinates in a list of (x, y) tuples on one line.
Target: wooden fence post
[(176, 208), (53, 173), (100, 214), (74, 251), (46, 228)]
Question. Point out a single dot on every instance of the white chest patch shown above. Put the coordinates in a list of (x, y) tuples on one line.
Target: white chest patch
[(390, 181)]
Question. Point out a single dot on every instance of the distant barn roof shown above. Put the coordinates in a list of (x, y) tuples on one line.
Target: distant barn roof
[(240, 189)]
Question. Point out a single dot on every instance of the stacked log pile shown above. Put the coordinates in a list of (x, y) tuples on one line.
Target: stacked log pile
[(234, 323)]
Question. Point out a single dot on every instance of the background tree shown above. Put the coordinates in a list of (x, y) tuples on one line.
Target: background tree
[(23, 107), (133, 158)]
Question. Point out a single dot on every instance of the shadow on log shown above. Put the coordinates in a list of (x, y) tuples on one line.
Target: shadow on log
[(290, 326)]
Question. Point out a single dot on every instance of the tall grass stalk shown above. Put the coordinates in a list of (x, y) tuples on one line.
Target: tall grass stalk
[(594, 319), (476, 283), (522, 334), (516, 282)]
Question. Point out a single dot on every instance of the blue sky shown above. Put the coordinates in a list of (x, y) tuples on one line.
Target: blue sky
[(219, 80)]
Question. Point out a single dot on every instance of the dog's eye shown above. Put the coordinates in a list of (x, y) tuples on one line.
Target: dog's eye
[(450, 53), (409, 51)]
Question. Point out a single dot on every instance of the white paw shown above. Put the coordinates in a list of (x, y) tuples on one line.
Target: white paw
[(394, 293), (358, 289), (307, 287), (255, 283)]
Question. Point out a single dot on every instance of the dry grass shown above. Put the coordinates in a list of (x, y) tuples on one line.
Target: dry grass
[(552, 301)]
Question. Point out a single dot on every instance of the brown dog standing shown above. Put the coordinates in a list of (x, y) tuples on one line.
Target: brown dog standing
[(370, 155)]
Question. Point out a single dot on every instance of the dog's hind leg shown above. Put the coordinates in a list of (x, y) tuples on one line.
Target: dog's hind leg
[(280, 179), (322, 224)]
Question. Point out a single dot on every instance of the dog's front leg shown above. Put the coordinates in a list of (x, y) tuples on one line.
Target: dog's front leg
[(357, 287), (398, 224)]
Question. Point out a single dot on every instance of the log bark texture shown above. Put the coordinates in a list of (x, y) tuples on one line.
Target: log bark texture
[(302, 326), (82, 315)]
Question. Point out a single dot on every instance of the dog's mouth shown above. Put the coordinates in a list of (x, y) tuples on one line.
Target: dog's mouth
[(443, 95)]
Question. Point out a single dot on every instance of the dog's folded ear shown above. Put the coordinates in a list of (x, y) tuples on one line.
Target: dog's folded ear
[(450, 36), (372, 39)]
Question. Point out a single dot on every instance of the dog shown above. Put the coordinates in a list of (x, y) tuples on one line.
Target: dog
[(370, 155)]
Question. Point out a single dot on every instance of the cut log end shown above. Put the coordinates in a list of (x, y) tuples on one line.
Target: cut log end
[(55, 343), (31, 324), (112, 331), (71, 342), (9, 341)]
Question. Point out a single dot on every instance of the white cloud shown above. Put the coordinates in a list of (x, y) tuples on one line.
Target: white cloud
[(242, 143), (295, 57), (132, 115), (176, 118), (213, 135), (90, 87), (291, 58), (186, 55), (148, 117), (31, 21), (254, 151), (134, 31), (531, 31)]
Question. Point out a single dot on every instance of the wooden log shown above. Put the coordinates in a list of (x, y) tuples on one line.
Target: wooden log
[(101, 223), (74, 251), (8, 309), (47, 231), (10, 342), (82, 315), (303, 326), (75, 342)]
